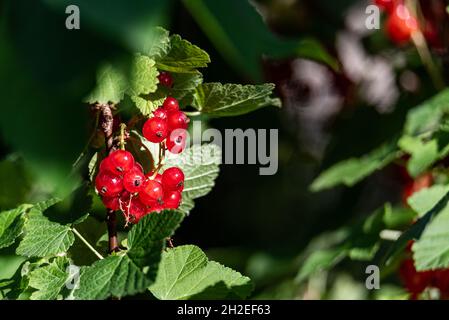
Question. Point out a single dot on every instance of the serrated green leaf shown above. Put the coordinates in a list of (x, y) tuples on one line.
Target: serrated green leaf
[(185, 273), (158, 45), (423, 154), (424, 200), (49, 280), (351, 171), (200, 166), (133, 270), (184, 85), (143, 77), (147, 103), (182, 56), (11, 225), (111, 86), (221, 100), (44, 237)]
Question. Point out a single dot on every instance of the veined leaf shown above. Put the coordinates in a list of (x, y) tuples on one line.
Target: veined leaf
[(423, 154), (111, 85), (182, 56), (221, 100), (186, 273), (11, 225), (131, 271), (49, 280)]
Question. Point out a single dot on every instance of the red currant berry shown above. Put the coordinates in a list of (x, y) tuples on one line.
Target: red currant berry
[(165, 79), (172, 199), (136, 210), (138, 167), (173, 179), (151, 193), (401, 25), (157, 178), (160, 113), (122, 161), (155, 130), (108, 184), (177, 120), (170, 104), (105, 165), (387, 5), (156, 208), (176, 141), (133, 180), (112, 203)]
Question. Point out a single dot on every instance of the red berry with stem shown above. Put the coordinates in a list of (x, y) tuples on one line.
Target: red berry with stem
[(136, 210), (172, 199), (165, 79), (173, 179), (170, 104), (151, 193), (112, 203), (401, 25), (155, 130), (133, 180), (108, 184), (176, 141), (160, 113), (157, 178), (177, 120), (121, 161)]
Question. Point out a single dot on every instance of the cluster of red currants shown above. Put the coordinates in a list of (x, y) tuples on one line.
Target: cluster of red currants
[(401, 23), (121, 181)]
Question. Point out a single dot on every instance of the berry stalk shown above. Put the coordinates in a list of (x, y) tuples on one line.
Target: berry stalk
[(107, 121)]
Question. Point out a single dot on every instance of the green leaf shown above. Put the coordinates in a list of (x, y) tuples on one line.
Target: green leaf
[(11, 224), (431, 251), (423, 154), (320, 260), (130, 271), (111, 86), (416, 230), (44, 237), (184, 85), (221, 100), (143, 77), (158, 46), (424, 200), (200, 165), (185, 273), (49, 280), (182, 56), (351, 171), (426, 117)]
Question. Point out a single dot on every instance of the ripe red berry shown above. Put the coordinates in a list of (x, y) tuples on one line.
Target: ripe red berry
[(108, 184), (151, 193), (106, 165), (170, 104), (177, 120), (160, 113), (387, 5), (415, 282), (121, 161), (157, 178), (173, 179), (155, 130), (172, 199), (112, 203), (421, 182), (401, 25), (133, 180), (136, 210), (176, 141), (165, 79)]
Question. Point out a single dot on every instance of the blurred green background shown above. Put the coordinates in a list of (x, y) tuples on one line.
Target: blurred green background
[(259, 225)]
